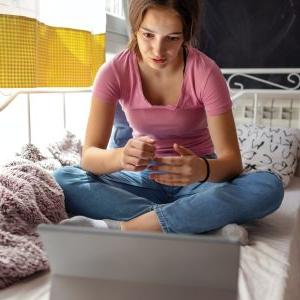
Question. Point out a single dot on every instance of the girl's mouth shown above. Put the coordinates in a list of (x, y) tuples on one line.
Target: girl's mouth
[(159, 60)]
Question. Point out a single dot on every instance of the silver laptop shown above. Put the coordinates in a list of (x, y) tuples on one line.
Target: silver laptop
[(88, 263)]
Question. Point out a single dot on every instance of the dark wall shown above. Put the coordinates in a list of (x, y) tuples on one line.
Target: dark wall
[(252, 33)]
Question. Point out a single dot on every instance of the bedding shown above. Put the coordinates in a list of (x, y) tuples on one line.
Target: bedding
[(41, 158), (28, 196), (67, 150), (269, 266), (64, 152)]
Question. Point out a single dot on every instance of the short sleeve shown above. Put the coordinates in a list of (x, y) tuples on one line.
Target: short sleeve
[(215, 94), (106, 85)]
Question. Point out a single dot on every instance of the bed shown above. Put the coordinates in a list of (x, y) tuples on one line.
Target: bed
[(270, 264)]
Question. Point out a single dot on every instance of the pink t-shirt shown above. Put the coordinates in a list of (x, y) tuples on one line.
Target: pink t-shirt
[(204, 92)]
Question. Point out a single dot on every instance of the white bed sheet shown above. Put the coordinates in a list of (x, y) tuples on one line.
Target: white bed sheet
[(269, 269), (35, 287)]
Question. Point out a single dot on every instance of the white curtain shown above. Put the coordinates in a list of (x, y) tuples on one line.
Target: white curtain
[(51, 42), (87, 15)]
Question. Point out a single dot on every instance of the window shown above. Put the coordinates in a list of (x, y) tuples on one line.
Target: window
[(14, 119), (26, 8), (115, 7)]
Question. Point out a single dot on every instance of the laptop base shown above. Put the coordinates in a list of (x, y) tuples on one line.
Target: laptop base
[(76, 288)]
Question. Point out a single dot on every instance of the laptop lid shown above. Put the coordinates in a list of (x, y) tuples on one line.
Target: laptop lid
[(140, 262)]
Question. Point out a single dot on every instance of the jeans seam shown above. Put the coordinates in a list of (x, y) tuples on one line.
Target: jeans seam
[(161, 218), (278, 177)]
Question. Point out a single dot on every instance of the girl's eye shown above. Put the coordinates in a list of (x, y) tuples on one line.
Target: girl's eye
[(148, 35), (173, 38)]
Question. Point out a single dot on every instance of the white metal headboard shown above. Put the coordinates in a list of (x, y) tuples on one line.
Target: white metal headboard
[(29, 92), (272, 104), (292, 78), (247, 102)]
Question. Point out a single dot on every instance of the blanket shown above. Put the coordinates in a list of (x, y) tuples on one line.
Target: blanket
[(65, 152), (29, 196)]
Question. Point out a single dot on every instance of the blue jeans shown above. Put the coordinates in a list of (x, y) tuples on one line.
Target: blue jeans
[(195, 208)]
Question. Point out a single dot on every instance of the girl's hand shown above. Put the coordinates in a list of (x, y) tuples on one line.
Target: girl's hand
[(137, 153), (179, 170)]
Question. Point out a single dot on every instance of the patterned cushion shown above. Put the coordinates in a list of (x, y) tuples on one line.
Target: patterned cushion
[(269, 149)]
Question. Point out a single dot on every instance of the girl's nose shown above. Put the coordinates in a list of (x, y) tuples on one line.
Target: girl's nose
[(158, 48)]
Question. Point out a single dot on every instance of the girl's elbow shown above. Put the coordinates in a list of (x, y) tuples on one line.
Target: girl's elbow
[(84, 160), (238, 168)]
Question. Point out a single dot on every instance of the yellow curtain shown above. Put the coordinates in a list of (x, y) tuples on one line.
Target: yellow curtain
[(33, 54)]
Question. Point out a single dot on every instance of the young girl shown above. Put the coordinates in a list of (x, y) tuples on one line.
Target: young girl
[(181, 171)]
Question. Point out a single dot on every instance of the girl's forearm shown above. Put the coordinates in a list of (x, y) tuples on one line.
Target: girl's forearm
[(101, 161), (224, 169)]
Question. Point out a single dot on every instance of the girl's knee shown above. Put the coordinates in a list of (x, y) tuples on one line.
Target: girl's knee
[(275, 188), (261, 193), (66, 175), (269, 189)]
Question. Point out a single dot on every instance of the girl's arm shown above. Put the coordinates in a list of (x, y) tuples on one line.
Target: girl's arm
[(95, 157), (134, 156), (223, 134)]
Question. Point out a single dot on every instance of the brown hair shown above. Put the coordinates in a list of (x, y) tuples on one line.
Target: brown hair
[(189, 10)]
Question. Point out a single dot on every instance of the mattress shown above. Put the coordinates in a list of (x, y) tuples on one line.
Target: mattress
[(269, 267)]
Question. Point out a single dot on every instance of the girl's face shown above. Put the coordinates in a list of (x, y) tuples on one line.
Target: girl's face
[(160, 38)]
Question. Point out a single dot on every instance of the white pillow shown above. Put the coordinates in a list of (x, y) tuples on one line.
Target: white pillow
[(269, 149)]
